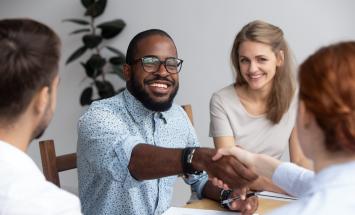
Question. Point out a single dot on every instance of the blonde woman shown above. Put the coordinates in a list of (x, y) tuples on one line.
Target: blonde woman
[(326, 125), (258, 111)]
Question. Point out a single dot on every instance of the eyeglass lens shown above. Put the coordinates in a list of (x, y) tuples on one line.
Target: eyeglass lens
[(152, 64)]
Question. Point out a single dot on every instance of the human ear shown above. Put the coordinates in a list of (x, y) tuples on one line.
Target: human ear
[(306, 117), (280, 58), (127, 72), (41, 100)]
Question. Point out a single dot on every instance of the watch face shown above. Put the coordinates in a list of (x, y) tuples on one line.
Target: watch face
[(187, 156), (190, 156)]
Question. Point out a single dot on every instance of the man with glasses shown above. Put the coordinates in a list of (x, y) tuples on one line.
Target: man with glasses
[(132, 146)]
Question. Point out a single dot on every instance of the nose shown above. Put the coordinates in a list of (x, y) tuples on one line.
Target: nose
[(162, 70), (253, 67)]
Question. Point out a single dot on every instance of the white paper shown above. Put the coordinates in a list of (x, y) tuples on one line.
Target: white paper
[(191, 211), (275, 196)]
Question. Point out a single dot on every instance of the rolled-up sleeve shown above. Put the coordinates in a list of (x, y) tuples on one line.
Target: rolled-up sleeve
[(293, 179), (197, 183), (105, 145)]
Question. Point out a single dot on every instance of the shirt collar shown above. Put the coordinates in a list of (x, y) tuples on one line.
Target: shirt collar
[(138, 111)]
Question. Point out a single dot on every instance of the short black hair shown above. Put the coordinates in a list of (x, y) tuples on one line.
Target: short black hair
[(132, 47), (29, 59)]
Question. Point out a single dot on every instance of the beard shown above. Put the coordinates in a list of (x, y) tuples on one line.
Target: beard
[(39, 134), (148, 102)]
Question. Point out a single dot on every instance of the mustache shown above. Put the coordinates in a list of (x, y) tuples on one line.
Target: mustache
[(159, 78)]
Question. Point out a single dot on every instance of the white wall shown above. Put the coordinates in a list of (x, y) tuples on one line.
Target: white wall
[(203, 31)]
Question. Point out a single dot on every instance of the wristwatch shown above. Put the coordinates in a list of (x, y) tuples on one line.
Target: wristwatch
[(186, 161)]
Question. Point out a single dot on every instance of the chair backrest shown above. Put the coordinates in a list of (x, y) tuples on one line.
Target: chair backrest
[(53, 164), (188, 110)]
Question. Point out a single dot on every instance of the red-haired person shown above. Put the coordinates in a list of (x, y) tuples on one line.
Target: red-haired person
[(326, 128)]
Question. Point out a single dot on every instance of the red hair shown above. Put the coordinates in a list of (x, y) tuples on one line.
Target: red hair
[(327, 87)]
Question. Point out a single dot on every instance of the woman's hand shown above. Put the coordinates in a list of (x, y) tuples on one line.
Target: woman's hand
[(247, 158)]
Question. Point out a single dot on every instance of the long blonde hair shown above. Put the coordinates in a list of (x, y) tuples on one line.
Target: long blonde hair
[(283, 87)]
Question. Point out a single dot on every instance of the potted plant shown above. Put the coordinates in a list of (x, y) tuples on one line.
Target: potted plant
[(98, 67)]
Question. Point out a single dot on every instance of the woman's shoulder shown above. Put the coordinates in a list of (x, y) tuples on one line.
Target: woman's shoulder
[(226, 96), (225, 91)]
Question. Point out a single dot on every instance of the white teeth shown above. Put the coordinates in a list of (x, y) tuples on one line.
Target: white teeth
[(255, 76), (159, 85)]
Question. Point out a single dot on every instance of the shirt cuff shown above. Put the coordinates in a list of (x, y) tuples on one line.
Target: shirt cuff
[(197, 183), (293, 179), (123, 153)]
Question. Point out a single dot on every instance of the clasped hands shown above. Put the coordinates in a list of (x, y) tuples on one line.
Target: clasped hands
[(238, 174)]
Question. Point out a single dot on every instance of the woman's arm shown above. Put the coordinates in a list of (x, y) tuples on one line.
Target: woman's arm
[(223, 142), (261, 164), (293, 179), (262, 183), (296, 154)]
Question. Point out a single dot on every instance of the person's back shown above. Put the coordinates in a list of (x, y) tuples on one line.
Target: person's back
[(24, 190), (326, 124), (330, 192), (29, 79)]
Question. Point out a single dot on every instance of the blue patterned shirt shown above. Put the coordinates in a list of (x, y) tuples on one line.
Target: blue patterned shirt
[(108, 132)]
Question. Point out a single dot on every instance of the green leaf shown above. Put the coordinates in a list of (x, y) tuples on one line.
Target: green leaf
[(96, 62), (112, 28), (92, 41), (115, 51), (105, 89), (80, 31), (117, 60), (86, 96), (87, 3), (77, 21), (80, 51), (90, 72), (118, 70), (96, 9)]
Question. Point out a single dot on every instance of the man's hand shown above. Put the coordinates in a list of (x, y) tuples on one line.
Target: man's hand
[(235, 174)]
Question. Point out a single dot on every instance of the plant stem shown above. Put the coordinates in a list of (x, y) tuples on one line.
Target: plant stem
[(97, 49)]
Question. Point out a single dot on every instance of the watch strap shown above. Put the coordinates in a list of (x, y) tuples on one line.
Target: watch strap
[(186, 161)]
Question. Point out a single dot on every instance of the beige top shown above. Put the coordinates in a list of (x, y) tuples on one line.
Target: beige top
[(254, 133)]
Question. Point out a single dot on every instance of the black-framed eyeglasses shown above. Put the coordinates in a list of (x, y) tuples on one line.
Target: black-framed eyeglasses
[(152, 64)]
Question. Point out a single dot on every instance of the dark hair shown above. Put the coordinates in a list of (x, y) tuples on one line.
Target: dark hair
[(327, 87), (132, 47), (283, 87), (29, 58)]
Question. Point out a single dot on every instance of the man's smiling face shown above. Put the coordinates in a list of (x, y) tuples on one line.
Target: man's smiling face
[(155, 90)]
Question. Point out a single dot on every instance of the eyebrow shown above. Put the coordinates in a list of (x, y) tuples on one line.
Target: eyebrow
[(257, 56)]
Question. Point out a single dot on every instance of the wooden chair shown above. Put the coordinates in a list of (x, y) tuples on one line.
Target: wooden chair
[(53, 164)]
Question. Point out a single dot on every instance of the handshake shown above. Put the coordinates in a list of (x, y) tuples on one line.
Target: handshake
[(236, 171)]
